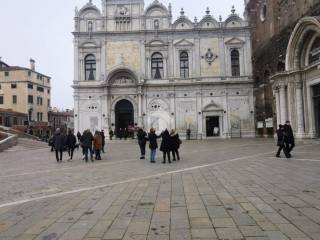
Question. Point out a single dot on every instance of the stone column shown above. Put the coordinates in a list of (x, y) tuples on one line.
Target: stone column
[(277, 96), (140, 106), (283, 103), (300, 112)]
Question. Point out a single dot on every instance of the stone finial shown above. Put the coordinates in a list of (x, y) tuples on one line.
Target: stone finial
[(195, 20), (208, 11), (170, 8), (182, 12), (220, 18), (76, 11), (233, 10), (90, 2)]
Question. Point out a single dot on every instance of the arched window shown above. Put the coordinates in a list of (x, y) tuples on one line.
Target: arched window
[(90, 67), (314, 55), (157, 66), (184, 65), (235, 63)]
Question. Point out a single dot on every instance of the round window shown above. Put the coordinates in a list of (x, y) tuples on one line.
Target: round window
[(263, 12)]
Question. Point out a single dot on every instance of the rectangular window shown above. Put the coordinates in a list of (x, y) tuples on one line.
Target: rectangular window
[(14, 99), (0, 86), (40, 89), (29, 73), (38, 76), (30, 86), (13, 85), (39, 101), (30, 99), (1, 100), (6, 74), (15, 121), (48, 102), (39, 116), (48, 91)]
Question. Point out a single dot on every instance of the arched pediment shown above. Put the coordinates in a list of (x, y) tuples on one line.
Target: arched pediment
[(183, 23), (234, 21), (89, 44), (302, 36), (156, 43), (212, 107), (89, 11), (208, 22), (156, 9), (122, 76)]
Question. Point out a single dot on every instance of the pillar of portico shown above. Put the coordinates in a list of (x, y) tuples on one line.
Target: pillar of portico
[(140, 120), (300, 113), (283, 103), (277, 96)]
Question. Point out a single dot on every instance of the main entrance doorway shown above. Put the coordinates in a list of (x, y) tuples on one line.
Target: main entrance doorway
[(124, 114), (212, 126), (316, 99)]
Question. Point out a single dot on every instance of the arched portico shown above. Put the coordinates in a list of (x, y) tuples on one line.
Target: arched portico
[(297, 89)]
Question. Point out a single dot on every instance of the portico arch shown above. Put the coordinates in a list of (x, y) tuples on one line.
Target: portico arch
[(303, 36)]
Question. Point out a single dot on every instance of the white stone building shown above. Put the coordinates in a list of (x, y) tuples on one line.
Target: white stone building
[(135, 66), (297, 89)]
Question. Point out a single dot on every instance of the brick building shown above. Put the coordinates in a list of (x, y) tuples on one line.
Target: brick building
[(272, 23)]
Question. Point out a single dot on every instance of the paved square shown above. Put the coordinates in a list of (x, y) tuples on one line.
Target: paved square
[(221, 189)]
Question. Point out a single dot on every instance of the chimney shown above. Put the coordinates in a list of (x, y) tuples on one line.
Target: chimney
[(32, 64)]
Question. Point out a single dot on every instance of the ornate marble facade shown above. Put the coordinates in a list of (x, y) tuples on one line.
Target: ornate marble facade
[(136, 66)]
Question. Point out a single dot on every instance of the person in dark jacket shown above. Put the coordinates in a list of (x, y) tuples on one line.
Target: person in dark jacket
[(175, 145), (59, 142), (78, 136), (153, 145), (71, 143), (142, 140), (125, 133), (288, 130), (103, 140), (282, 142), (86, 141), (111, 133), (166, 146)]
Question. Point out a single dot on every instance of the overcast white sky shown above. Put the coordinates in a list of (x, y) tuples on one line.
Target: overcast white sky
[(41, 29)]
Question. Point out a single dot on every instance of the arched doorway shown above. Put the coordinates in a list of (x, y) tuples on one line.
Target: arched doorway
[(124, 114)]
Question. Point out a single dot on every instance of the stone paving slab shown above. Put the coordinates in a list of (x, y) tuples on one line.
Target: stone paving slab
[(219, 190)]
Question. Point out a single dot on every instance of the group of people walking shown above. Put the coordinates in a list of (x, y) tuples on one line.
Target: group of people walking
[(170, 144), (90, 144), (285, 140)]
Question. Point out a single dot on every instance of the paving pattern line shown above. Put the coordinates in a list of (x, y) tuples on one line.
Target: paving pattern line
[(297, 159), (103, 164), (131, 180)]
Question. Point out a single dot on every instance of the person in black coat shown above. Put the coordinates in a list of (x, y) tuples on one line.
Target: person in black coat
[(142, 140), (288, 130), (59, 142), (166, 146), (175, 145), (153, 144), (103, 140), (282, 142), (86, 142), (71, 143)]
